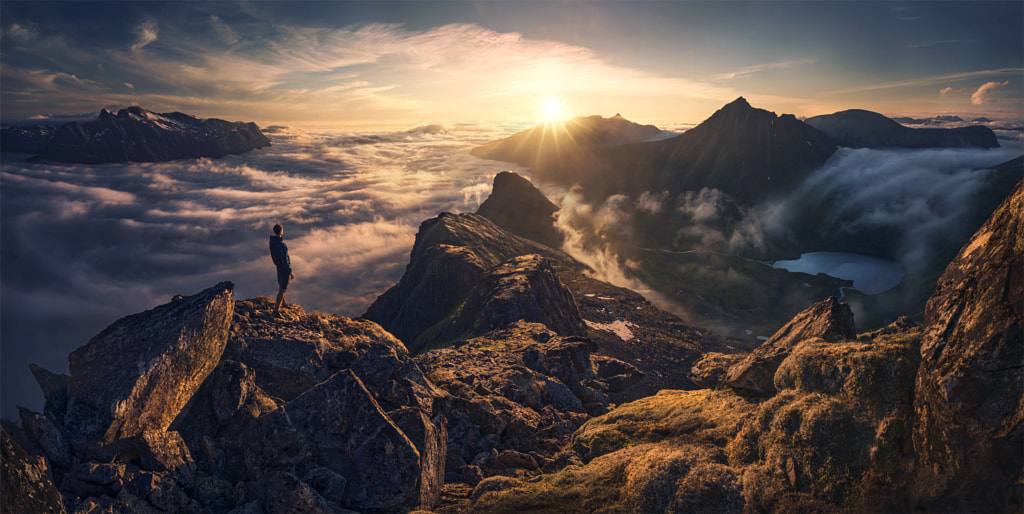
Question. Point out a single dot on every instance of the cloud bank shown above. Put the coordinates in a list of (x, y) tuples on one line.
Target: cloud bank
[(980, 95), (85, 245)]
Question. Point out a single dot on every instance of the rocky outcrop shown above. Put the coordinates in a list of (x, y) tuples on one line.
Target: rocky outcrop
[(857, 128), (451, 256), (137, 135), (138, 373), (215, 405), (24, 484), (521, 288), (970, 385), (516, 394), (828, 319), (836, 436), (520, 208)]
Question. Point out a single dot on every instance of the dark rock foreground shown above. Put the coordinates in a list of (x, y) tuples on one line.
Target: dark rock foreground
[(135, 135)]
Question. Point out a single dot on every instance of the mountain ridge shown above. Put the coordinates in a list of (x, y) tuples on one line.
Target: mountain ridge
[(135, 134), (858, 128)]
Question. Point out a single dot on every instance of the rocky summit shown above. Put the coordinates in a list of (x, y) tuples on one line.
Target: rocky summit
[(535, 388), (135, 135)]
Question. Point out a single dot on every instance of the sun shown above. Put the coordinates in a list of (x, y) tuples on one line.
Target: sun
[(552, 110)]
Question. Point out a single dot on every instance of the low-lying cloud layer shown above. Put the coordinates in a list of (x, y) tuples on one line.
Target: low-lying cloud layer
[(85, 245)]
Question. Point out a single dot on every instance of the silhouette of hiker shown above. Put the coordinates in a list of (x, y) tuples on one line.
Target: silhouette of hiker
[(279, 253)]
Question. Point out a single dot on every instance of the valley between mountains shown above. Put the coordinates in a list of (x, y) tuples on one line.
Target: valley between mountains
[(500, 374)]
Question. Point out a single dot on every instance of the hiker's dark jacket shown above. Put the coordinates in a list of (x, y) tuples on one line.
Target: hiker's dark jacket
[(279, 253)]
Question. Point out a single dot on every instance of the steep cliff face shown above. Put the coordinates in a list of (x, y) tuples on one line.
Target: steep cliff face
[(137, 135), (970, 387), (857, 128), (520, 208), (451, 256)]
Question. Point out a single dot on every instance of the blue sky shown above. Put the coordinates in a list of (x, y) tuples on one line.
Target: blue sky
[(408, 63)]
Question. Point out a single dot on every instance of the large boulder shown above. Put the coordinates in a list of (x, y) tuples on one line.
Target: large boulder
[(969, 407), (139, 373), (339, 426), (828, 319), (516, 394), (522, 288)]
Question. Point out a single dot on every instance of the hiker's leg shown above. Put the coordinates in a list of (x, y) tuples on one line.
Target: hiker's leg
[(280, 300)]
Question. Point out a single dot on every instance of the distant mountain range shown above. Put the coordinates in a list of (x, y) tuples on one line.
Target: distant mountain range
[(134, 135), (537, 145), (857, 128), (746, 152)]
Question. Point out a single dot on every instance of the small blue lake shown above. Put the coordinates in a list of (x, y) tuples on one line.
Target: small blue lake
[(870, 275)]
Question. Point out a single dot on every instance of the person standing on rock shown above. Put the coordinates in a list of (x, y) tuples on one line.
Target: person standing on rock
[(279, 254)]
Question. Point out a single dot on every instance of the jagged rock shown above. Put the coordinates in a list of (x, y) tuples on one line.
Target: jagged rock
[(47, 435), (139, 372), (520, 208), (329, 484), (282, 492), (970, 384), (452, 253), (288, 357), (55, 391), (713, 368), (137, 135), (521, 388), (857, 128), (338, 425), (24, 485), (522, 288), (163, 451), (431, 440), (828, 319)]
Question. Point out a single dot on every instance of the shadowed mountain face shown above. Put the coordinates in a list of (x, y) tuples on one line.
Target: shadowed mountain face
[(745, 152), (136, 135), (518, 207), (544, 143), (857, 128)]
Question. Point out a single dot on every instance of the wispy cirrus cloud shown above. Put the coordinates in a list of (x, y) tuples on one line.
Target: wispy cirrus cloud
[(761, 68)]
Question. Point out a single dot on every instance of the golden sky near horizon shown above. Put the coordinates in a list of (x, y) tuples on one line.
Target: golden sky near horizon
[(409, 63)]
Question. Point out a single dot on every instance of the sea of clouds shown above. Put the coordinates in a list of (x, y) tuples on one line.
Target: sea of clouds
[(84, 245)]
